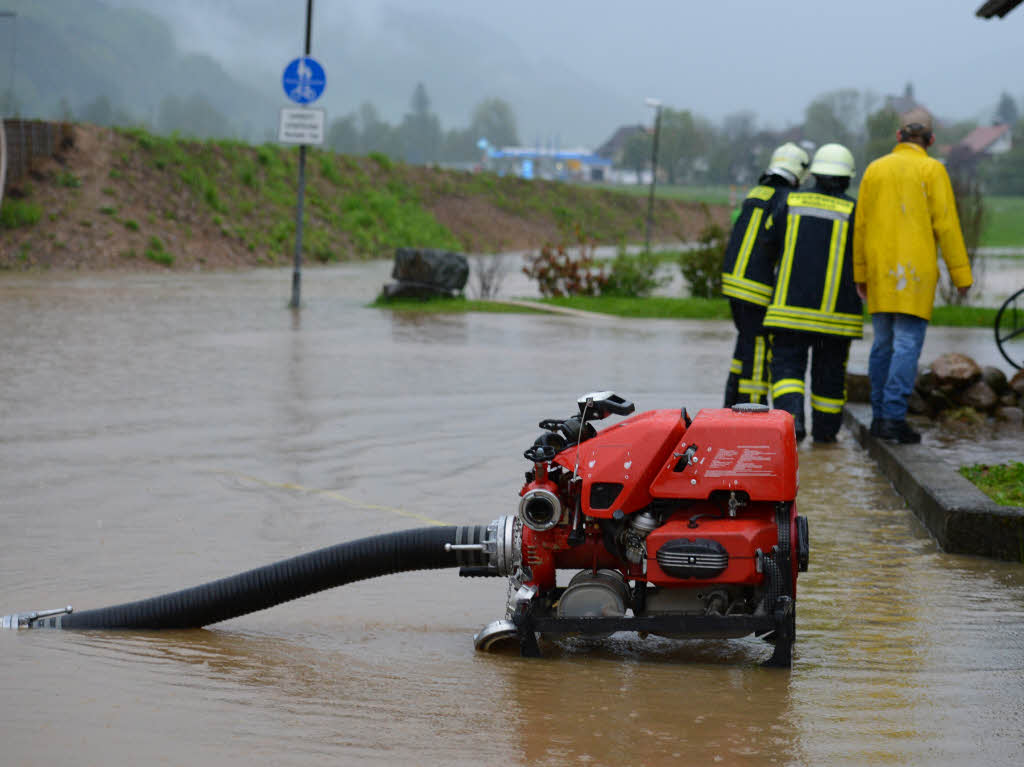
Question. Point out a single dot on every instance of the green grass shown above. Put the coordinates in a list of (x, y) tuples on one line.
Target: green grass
[(1003, 483), (1004, 222), (16, 213), (448, 305), (661, 307)]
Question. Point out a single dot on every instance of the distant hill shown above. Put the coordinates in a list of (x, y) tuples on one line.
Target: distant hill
[(71, 53)]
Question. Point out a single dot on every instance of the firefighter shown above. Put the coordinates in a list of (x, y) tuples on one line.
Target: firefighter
[(814, 307), (747, 277)]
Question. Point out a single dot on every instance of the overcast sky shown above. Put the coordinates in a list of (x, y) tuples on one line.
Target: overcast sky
[(714, 57)]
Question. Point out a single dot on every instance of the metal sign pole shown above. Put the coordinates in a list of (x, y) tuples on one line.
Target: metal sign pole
[(297, 272)]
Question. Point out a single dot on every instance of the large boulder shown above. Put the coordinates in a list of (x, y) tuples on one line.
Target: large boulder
[(1012, 416), (955, 369), (995, 378), (426, 272), (1017, 383), (980, 396)]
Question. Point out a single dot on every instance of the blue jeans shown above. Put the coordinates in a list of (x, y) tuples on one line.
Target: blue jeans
[(892, 365)]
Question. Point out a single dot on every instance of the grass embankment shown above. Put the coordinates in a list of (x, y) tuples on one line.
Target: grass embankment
[(1003, 483), (114, 191)]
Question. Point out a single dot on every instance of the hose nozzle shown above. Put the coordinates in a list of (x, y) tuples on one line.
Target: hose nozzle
[(27, 620)]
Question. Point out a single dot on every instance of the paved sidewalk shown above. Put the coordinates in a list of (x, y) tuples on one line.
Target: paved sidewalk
[(962, 519)]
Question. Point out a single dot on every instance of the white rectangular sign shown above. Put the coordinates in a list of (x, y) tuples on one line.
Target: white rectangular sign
[(301, 126)]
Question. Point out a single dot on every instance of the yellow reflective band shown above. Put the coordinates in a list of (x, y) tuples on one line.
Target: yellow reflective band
[(827, 404), (787, 386), (746, 290), (749, 238), (819, 201), (837, 253), (736, 366), (786, 268), (757, 374), (761, 193), (749, 387), (814, 321)]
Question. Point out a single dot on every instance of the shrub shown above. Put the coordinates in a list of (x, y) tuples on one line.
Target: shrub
[(558, 273), (68, 179), (15, 213), (633, 276), (702, 267), (131, 224)]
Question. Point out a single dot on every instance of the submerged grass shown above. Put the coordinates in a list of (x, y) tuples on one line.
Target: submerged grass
[(1003, 483)]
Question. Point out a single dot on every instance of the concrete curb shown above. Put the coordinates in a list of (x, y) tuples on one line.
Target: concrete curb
[(962, 519), (550, 308)]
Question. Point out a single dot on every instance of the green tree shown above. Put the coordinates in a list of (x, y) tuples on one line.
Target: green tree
[(636, 153), (1006, 110), (494, 120), (420, 132), (343, 135), (683, 141), (880, 130)]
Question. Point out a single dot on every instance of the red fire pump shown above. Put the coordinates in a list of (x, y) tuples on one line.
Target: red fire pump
[(676, 527)]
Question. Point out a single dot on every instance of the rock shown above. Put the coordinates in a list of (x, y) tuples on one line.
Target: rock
[(938, 400), (441, 269), (925, 381), (917, 404), (1017, 383), (1013, 416), (978, 395), (956, 369), (1009, 399), (858, 387), (426, 273), (995, 378)]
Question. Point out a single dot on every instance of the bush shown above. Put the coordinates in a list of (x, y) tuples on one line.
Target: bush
[(702, 267), (15, 213), (558, 273), (633, 276)]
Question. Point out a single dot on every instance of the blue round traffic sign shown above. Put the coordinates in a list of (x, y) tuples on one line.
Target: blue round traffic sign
[(304, 80)]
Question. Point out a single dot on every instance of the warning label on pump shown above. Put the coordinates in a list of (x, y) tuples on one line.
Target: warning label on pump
[(746, 461), (301, 126)]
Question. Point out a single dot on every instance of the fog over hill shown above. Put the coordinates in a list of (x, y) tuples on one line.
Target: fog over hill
[(573, 71)]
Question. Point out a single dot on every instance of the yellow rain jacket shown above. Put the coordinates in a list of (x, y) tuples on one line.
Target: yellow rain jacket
[(905, 205)]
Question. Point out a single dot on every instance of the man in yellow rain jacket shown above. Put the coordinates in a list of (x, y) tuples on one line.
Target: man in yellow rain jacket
[(905, 207)]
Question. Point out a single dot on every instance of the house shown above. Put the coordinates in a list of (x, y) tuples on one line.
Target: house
[(987, 140)]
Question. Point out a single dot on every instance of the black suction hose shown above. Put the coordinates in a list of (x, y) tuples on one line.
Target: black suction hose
[(417, 549)]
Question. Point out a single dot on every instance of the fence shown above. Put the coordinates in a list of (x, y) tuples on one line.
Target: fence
[(25, 141)]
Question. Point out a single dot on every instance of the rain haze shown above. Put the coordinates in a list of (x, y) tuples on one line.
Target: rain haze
[(573, 71)]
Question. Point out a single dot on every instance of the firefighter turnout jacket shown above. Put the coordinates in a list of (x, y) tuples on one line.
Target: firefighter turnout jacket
[(810, 235), (747, 272)]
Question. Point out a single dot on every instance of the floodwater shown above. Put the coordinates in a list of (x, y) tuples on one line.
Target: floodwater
[(163, 431)]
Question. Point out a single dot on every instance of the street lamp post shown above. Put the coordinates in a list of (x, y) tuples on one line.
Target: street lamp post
[(656, 105)]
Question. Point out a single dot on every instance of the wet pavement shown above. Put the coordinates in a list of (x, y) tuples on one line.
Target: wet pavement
[(162, 431)]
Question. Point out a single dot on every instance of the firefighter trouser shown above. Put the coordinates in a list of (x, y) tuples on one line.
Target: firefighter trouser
[(748, 372), (828, 379)]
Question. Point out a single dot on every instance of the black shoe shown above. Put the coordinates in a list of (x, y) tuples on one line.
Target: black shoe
[(898, 431), (801, 432), (876, 427), (824, 439)]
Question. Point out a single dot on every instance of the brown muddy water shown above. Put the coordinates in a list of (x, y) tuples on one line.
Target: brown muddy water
[(163, 431)]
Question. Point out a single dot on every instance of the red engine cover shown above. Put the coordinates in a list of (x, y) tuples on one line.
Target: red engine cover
[(739, 537), (618, 465), (750, 451)]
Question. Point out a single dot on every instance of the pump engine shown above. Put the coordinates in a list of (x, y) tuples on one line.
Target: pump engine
[(674, 527)]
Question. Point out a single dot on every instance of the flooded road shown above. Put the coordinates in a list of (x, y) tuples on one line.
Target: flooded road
[(163, 431)]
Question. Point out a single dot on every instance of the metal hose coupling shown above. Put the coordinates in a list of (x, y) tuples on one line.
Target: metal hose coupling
[(30, 620), (502, 544)]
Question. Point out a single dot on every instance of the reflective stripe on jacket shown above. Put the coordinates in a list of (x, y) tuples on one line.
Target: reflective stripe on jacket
[(905, 205), (811, 234), (747, 274)]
